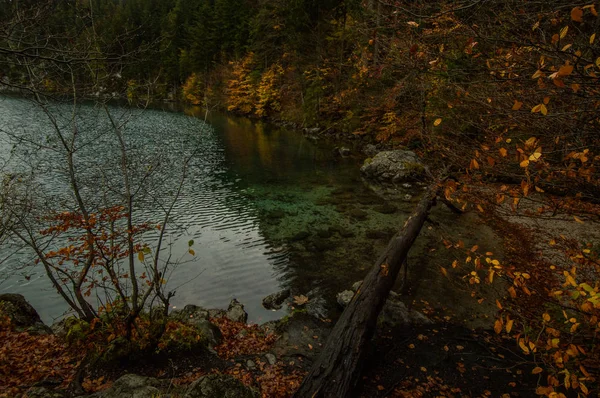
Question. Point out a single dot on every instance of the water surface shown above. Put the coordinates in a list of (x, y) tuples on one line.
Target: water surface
[(266, 208)]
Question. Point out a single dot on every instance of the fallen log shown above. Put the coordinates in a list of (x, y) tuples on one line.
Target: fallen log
[(337, 369)]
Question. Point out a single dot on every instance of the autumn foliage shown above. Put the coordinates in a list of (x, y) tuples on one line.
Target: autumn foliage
[(27, 359)]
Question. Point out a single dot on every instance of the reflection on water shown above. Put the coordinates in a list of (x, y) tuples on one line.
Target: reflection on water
[(252, 190)]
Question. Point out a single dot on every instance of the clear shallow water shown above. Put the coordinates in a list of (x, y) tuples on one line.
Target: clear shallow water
[(252, 191)]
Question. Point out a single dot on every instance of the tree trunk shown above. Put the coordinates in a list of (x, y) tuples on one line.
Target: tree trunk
[(337, 369)]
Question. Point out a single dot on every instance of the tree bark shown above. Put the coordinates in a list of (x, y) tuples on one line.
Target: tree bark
[(337, 369)]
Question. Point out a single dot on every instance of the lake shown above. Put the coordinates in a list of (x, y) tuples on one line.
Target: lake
[(266, 208)]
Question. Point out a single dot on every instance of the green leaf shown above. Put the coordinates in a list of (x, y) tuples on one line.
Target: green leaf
[(190, 243)]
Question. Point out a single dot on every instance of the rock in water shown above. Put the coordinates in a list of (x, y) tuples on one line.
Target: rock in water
[(393, 167), (219, 386), (274, 301), (236, 312), (22, 315)]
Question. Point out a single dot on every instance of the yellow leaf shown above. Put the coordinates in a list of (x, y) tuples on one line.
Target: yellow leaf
[(509, 325), (577, 14), (474, 165), (537, 370), (592, 38), (141, 256), (491, 277), (498, 304), (537, 74), (524, 163), (579, 220), (535, 156), (192, 252), (563, 32), (543, 109), (517, 105), (437, 122), (537, 108), (444, 271), (584, 389), (454, 263), (503, 152), (523, 346), (546, 317)]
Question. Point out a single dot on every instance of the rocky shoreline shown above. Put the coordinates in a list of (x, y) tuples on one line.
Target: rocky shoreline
[(297, 340)]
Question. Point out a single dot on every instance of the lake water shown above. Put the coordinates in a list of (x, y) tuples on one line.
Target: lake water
[(266, 207)]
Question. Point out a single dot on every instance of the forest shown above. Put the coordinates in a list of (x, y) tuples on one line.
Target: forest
[(500, 99)]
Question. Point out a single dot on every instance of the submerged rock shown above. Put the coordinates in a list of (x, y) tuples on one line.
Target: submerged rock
[(358, 214), (275, 301), (22, 315), (300, 236), (393, 167), (236, 312), (386, 209), (219, 386)]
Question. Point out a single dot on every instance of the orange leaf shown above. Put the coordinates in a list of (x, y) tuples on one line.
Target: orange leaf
[(498, 326), (503, 152), (577, 14), (565, 70), (517, 105), (537, 370)]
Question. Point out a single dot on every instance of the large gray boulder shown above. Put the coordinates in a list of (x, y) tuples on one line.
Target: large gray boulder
[(22, 315), (394, 167), (219, 386), (131, 386)]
